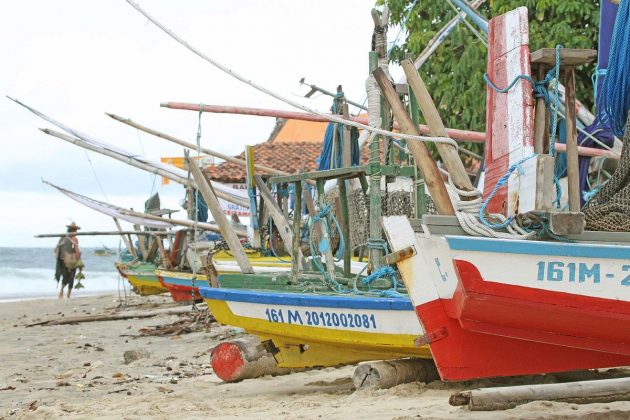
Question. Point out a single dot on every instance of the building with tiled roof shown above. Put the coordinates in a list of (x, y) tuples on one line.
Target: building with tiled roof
[(293, 147)]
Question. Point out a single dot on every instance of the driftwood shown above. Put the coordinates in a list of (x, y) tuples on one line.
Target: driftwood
[(584, 392), (113, 317), (188, 323), (244, 358), (389, 373)]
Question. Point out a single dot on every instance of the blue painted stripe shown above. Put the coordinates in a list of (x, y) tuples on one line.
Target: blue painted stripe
[(509, 246), (304, 299), (184, 282)]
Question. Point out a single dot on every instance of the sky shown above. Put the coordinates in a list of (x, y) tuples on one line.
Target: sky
[(75, 60)]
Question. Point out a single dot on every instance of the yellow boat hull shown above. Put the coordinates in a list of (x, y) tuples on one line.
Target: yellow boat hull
[(142, 278), (300, 345)]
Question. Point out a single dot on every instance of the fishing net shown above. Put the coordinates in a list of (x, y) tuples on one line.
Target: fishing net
[(609, 209), (398, 199)]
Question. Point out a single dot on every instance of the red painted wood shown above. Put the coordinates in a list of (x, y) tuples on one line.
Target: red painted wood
[(227, 361), (180, 293), (466, 354), (502, 40), (454, 133), (558, 318)]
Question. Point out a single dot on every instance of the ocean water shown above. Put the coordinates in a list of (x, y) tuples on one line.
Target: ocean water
[(30, 273)]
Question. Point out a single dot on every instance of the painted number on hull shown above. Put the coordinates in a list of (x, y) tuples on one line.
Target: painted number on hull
[(321, 318), (558, 271)]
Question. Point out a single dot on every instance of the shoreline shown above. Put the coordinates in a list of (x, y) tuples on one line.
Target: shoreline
[(79, 371)]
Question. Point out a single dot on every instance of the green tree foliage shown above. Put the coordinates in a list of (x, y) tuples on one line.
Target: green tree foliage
[(454, 73)]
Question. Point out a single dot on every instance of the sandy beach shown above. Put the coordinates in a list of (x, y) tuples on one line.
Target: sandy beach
[(79, 371)]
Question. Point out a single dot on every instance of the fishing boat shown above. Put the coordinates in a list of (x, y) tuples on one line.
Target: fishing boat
[(318, 327), (104, 251), (142, 277), (500, 306)]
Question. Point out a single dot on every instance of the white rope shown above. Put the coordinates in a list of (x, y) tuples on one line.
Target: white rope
[(467, 213), (288, 101)]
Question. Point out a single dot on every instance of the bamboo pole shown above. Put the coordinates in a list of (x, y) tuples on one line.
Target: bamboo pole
[(178, 222), (140, 165), (192, 146), (421, 154), (99, 233), (217, 213), (448, 153), (455, 134)]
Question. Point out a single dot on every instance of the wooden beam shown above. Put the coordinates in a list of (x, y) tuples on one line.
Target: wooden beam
[(419, 150), (278, 218), (540, 118), (217, 213), (448, 153), (568, 56), (347, 144), (142, 244)]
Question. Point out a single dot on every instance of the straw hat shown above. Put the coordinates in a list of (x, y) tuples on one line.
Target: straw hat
[(72, 227)]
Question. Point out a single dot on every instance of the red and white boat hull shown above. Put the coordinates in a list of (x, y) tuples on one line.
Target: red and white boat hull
[(458, 326)]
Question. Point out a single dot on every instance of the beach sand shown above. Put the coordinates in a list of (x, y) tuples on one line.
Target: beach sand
[(78, 371)]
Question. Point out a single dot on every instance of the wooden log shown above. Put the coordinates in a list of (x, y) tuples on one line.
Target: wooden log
[(389, 373), (278, 218), (455, 134), (583, 392), (243, 358), (573, 170), (448, 153), (192, 146), (217, 213), (421, 154)]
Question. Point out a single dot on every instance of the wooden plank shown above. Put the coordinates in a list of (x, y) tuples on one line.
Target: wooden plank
[(448, 153), (351, 172), (420, 152), (217, 214), (278, 219), (568, 56), (510, 115), (163, 255), (573, 171)]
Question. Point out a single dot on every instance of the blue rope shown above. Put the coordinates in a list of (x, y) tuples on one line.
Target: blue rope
[(501, 183), (616, 87)]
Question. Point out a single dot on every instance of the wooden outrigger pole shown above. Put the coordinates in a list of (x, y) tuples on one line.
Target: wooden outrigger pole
[(192, 146), (455, 134), (141, 165), (113, 233)]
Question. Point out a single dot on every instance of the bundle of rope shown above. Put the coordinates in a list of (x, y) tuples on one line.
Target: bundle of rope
[(616, 88)]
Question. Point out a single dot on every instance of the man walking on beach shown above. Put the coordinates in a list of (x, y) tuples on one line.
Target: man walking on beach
[(67, 254)]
